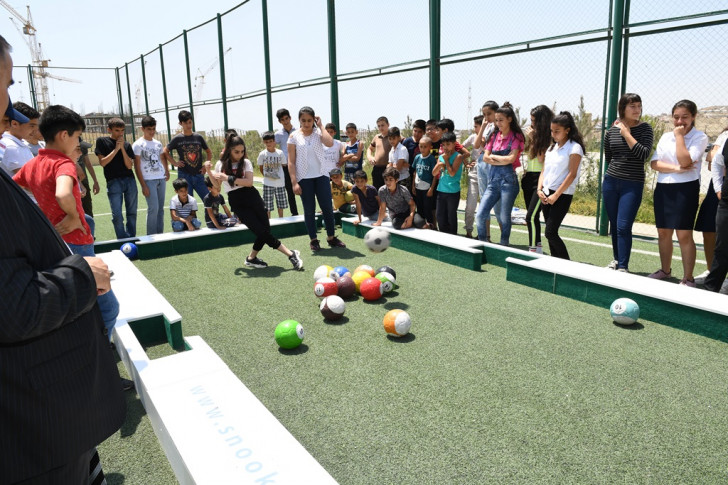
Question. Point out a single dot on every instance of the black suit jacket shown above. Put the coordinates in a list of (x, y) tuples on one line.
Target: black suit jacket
[(60, 392)]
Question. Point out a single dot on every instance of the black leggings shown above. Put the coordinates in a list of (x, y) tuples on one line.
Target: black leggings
[(529, 184), (554, 215), (248, 206), (719, 268)]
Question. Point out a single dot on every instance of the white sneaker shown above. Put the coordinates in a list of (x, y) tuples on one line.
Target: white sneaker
[(724, 288), (613, 264), (700, 279)]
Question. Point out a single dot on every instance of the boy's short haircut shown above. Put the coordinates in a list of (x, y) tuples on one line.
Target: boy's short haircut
[(419, 124), (351, 126), (148, 122), (330, 126), (449, 137), (360, 174), (268, 135), (28, 111), (391, 172), (393, 131), (184, 115), (383, 118), (116, 122), (426, 139), (446, 124), (282, 113), (208, 182), (430, 123), (334, 171), (179, 184), (57, 118), (478, 120)]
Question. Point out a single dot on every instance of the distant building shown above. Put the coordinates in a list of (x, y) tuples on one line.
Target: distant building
[(97, 123)]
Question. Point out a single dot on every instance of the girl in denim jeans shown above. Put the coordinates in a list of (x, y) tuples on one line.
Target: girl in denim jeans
[(502, 152)]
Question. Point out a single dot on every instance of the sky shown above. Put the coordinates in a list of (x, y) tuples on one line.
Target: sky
[(369, 35)]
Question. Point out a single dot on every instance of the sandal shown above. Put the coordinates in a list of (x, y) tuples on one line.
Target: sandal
[(660, 275)]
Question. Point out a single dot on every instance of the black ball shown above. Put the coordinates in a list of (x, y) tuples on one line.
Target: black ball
[(387, 269)]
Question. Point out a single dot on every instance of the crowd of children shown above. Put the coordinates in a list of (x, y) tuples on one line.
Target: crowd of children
[(415, 181)]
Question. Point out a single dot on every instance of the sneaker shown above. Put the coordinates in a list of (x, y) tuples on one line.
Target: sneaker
[(126, 384), (724, 288), (532, 249), (623, 270), (539, 248), (700, 279), (255, 263), (613, 264), (336, 243), (315, 245), (296, 260), (688, 283), (660, 275)]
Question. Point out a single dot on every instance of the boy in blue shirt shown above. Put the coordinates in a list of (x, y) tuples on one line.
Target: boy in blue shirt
[(425, 181)]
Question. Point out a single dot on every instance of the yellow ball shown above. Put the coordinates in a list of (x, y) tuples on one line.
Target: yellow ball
[(349, 197), (360, 276)]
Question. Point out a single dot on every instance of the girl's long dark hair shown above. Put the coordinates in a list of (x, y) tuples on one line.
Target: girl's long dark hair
[(507, 110), (232, 140), (565, 120), (540, 136)]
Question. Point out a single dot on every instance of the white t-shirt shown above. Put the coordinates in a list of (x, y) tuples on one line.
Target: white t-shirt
[(247, 167), (556, 166), (16, 154), (272, 163), (696, 141), (400, 153), (717, 168), (150, 156), (333, 155)]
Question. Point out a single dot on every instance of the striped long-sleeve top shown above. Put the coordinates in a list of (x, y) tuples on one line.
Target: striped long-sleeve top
[(624, 162)]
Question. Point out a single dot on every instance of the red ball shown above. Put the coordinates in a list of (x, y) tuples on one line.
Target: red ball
[(325, 287), (371, 289), (347, 287)]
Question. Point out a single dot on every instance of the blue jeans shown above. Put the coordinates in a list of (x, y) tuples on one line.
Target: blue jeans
[(179, 226), (155, 205), (91, 224), (123, 188), (621, 200), (311, 191), (503, 187), (108, 304), (195, 183), (483, 170)]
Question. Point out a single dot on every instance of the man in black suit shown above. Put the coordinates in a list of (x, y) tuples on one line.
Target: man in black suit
[(60, 393)]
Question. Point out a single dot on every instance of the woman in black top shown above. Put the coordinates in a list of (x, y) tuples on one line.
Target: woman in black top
[(627, 144)]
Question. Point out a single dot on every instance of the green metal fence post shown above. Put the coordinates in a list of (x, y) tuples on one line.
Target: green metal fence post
[(118, 93), (189, 79), (614, 86), (331, 15), (31, 84), (131, 110), (144, 85), (625, 49), (435, 59), (164, 92), (266, 57), (223, 89), (600, 170)]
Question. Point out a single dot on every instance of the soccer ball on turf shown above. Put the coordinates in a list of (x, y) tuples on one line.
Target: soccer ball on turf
[(624, 311), (332, 307), (377, 239), (325, 287), (289, 334), (397, 323)]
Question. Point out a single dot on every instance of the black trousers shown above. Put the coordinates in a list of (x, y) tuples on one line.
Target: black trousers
[(447, 211), (529, 184), (75, 471), (719, 268), (377, 178), (248, 206), (554, 215), (289, 190)]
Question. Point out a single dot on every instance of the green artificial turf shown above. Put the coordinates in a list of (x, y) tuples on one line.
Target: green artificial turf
[(497, 382)]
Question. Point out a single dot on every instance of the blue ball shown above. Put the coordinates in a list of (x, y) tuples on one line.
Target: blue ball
[(129, 249), (342, 271), (624, 311)]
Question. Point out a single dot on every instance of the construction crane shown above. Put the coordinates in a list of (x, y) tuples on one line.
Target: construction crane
[(200, 77), (40, 64)]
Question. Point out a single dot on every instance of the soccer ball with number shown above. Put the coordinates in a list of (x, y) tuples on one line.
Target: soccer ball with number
[(624, 311), (377, 239)]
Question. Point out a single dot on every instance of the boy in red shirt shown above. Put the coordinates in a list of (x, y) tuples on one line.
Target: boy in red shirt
[(52, 178)]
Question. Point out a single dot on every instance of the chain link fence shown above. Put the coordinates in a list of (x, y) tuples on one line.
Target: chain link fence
[(237, 69)]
